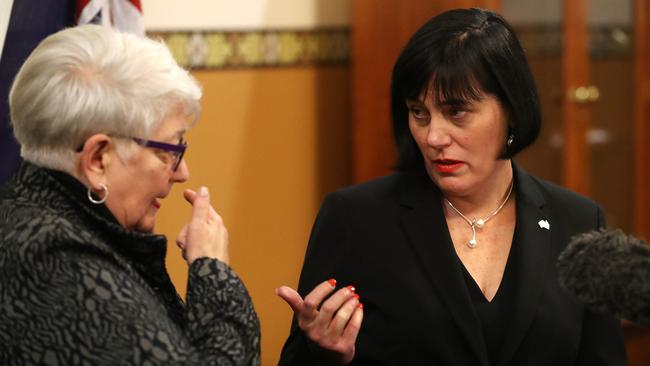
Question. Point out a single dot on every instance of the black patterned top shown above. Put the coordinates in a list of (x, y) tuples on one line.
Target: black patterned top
[(76, 288)]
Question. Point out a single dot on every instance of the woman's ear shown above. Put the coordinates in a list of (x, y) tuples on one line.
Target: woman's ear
[(94, 159)]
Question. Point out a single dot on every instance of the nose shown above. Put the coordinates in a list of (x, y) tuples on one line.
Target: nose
[(437, 136), (182, 173)]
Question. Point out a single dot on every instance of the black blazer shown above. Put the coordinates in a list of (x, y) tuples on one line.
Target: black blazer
[(389, 239)]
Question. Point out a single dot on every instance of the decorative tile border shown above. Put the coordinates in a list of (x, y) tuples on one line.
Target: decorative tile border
[(222, 50), (287, 48), (611, 41)]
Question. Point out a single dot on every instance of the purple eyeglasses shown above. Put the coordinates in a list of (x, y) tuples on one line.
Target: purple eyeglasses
[(177, 150)]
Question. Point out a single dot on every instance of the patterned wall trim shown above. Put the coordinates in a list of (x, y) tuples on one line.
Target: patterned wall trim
[(604, 41), (285, 48)]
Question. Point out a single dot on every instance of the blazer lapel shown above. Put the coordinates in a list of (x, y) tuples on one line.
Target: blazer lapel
[(533, 226), (424, 222)]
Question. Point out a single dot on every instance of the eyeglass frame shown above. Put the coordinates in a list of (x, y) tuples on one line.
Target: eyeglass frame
[(179, 149)]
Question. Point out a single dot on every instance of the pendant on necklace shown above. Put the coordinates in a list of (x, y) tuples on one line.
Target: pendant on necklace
[(472, 243), (479, 223)]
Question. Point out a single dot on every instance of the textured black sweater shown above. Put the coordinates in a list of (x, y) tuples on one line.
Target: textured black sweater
[(76, 288)]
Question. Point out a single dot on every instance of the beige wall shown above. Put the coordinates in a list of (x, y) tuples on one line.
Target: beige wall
[(271, 140), (269, 144), (244, 14)]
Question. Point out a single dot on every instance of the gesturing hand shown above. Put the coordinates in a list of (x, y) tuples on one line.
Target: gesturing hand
[(332, 326), (205, 235)]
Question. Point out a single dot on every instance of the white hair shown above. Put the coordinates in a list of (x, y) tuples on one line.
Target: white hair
[(91, 79)]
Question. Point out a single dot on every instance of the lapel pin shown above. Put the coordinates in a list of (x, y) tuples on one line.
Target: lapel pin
[(544, 224)]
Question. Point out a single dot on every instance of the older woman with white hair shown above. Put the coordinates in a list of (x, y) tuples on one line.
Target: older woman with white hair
[(101, 118)]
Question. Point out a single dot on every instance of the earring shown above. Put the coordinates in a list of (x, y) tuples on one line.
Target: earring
[(511, 138), (98, 201)]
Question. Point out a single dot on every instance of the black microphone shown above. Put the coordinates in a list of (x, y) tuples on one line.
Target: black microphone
[(608, 271)]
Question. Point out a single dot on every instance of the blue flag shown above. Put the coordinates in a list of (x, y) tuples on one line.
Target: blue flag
[(30, 22)]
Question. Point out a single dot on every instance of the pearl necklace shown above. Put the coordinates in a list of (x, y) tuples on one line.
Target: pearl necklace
[(479, 223)]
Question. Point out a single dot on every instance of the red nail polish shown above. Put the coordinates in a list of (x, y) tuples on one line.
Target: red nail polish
[(332, 282), (351, 288), (360, 306), (356, 296)]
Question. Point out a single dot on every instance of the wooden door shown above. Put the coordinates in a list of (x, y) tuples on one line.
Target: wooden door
[(642, 119), (593, 81)]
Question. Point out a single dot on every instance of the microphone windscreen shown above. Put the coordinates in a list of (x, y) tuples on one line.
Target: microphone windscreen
[(608, 271)]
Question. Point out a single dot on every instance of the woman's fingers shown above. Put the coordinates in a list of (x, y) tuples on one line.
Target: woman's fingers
[(345, 346), (306, 310), (334, 306), (354, 325), (181, 241), (316, 296), (330, 323), (205, 235), (291, 297), (189, 195), (343, 316), (201, 205), (322, 318)]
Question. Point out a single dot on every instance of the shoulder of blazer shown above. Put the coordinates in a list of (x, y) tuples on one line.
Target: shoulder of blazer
[(557, 199), (563, 196)]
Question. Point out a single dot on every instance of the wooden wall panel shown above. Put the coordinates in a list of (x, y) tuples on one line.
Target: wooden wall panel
[(575, 116), (642, 118), (638, 338), (380, 28)]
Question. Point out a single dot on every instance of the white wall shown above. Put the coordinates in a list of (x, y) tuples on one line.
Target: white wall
[(169, 15)]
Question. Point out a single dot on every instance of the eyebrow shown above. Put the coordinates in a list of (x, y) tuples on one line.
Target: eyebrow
[(454, 102)]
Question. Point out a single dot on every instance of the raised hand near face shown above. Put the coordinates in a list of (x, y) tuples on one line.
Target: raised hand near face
[(205, 235), (330, 323)]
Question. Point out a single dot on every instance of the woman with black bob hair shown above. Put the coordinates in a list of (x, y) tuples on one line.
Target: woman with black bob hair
[(465, 54), (453, 256)]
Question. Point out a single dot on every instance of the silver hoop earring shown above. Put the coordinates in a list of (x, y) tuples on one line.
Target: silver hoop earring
[(98, 201), (511, 138)]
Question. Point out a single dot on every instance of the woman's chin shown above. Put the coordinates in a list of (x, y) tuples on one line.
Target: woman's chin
[(146, 224)]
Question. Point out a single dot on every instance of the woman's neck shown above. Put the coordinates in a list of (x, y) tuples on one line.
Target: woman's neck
[(485, 198)]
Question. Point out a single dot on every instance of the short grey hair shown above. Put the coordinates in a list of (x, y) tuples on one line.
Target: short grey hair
[(91, 79)]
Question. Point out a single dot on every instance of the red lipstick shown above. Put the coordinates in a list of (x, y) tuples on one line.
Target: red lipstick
[(447, 166), (155, 204)]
